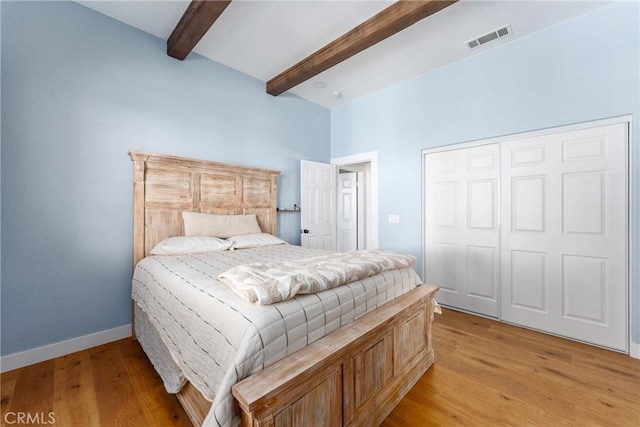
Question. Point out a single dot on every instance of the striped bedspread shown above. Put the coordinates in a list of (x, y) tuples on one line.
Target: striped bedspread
[(218, 339)]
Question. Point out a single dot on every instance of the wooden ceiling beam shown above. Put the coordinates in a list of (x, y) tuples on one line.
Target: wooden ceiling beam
[(386, 23), (195, 22)]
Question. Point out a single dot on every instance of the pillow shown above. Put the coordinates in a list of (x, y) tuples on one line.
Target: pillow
[(254, 241), (190, 245), (223, 226)]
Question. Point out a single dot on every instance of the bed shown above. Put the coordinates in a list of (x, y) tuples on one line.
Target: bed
[(344, 356)]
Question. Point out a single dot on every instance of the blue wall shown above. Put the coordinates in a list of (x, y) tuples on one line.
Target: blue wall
[(584, 69), (78, 91)]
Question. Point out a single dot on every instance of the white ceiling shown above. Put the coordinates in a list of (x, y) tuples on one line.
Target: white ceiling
[(262, 38)]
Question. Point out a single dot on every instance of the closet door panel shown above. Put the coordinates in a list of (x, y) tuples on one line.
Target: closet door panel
[(481, 271), (461, 227), (529, 287), (563, 240), (528, 203)]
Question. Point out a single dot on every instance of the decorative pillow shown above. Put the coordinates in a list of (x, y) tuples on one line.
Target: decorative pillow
[(222, 226), (190, 245), (255, 241)]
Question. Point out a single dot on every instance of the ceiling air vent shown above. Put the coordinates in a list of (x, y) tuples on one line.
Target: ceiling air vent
[(489, 37)]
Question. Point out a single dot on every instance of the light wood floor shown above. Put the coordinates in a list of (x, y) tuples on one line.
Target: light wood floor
[(486, 373)]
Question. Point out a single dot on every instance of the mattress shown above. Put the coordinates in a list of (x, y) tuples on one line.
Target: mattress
[(217, 339)]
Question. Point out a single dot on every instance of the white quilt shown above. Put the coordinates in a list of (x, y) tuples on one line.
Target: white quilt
[(268, 283), (217, 339)]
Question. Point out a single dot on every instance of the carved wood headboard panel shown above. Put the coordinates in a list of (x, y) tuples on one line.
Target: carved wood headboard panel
[(165, 186)]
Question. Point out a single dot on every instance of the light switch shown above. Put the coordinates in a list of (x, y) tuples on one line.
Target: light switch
[(394, 219)]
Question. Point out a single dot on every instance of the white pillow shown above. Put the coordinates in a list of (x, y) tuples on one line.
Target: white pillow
[(190, 245), (223, 226), (254, 241)]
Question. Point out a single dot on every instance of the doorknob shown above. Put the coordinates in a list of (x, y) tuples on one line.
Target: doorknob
[(305, 231)]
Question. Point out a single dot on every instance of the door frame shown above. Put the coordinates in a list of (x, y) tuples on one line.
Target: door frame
[(370, 157), (634, 348)]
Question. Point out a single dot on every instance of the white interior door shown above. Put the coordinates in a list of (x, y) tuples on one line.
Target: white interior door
[(318, 205), (564, 234), (461, 227), (348, 211)]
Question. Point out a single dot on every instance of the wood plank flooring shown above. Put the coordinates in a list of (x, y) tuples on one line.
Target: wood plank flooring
[(490, 373), (486, 373)]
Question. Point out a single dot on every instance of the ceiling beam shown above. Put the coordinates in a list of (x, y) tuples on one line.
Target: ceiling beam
[(195, 22), (386, 23)]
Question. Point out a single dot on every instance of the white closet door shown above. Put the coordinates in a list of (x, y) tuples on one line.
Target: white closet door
[(461, 227), (564, 236)]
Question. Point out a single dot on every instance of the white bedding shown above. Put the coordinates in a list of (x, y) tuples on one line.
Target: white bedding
[(271, 282), (217, 339)]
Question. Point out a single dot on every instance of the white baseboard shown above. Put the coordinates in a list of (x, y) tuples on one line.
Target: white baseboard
[(62, 348), (634, 350)]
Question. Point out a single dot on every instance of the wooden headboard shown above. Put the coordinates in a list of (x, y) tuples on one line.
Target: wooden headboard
[(165, 186)]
